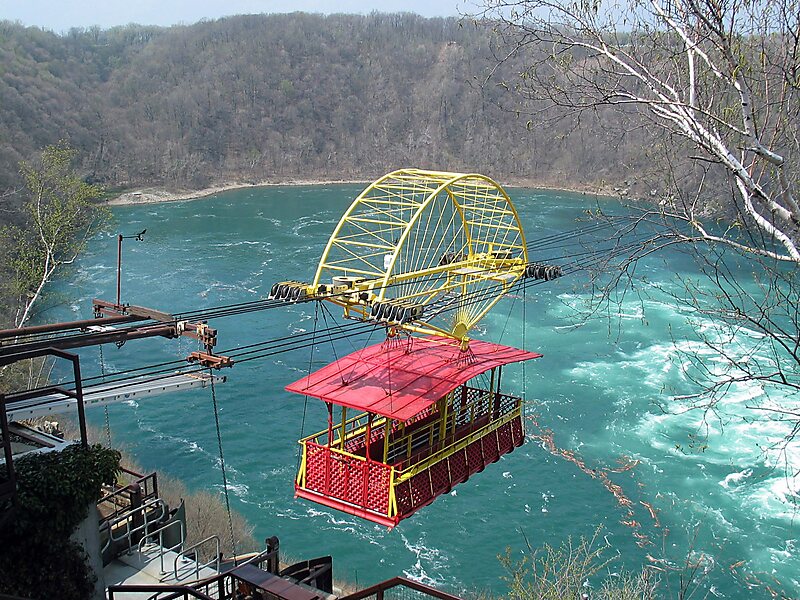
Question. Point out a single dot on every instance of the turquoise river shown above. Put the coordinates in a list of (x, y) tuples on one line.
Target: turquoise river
[(726, 505)]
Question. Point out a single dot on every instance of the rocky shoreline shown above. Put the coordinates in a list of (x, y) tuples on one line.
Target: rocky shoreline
[(156, 195)]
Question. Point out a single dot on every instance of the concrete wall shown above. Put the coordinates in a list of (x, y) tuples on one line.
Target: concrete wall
[(87, 534)]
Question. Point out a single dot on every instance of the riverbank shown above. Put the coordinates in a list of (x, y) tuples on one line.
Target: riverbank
[(156, 195)]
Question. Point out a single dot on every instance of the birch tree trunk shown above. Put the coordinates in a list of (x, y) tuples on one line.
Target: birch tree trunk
[(60, 217), (723, 76), (718, 83)]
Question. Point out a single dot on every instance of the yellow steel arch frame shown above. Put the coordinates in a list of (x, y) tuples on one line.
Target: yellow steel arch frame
[(445, 241)]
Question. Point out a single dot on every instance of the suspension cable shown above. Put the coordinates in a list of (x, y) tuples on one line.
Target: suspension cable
[(222, 467)]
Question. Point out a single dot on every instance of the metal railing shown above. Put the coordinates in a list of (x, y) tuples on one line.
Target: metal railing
[(125, 498), (161, 549), (468, 410), (217, 587), (173, 591), (397, 588), (136, 521), (470, 414), (421, 462), (194, 563), (407, 589)]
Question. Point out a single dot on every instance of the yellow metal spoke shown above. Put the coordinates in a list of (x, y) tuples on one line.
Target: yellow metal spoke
[(429, 237)]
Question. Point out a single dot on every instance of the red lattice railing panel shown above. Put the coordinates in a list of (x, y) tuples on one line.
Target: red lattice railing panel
[(402, 494), (315, 467), (489, 446), (504, 438), (475, 457), (458, 467), (440, 478), (517, 432), (346, 478), (377, 489), (421, 492), (363, 487)]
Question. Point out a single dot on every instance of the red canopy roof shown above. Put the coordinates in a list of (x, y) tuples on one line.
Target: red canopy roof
[(398, 380)]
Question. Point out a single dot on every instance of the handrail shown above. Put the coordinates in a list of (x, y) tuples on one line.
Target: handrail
[(127, 517), (484, 395), (433, 458), (124, 499), (408, 472), (139, 480), (197, 566), (187, 591), (193, 590), (379, 588), (353, 431), (161, 549), (341, 452)]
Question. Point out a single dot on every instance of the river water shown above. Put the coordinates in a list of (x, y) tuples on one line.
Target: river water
[(721, 504)]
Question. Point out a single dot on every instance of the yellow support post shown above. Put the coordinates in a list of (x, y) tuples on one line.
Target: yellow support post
[(443, 422), (387, 430), (301, 474), (342, 431), (392, 496)]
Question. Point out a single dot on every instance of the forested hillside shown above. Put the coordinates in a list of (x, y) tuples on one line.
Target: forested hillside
[(251, 98)]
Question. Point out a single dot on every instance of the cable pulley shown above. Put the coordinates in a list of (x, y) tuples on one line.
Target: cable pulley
[(543, 271), (289, 291), (396, 311)]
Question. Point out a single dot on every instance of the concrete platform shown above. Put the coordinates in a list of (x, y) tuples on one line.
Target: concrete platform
[(152, 566)]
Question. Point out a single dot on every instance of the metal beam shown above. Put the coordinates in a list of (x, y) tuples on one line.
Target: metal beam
[(69, 325), (106, 393)]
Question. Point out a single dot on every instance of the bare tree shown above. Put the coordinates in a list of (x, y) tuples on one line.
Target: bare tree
[(718, 83), (723, 76)]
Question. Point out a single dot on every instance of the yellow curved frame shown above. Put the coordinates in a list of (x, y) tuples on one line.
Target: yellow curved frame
[(387, 242)]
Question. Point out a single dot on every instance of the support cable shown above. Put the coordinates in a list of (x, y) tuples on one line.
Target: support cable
[(333, 347), (105, 407), (305, 397), (271, 347), (222, 466), (268, 347)]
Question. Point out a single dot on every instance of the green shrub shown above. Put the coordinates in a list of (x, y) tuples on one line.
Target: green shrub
[(55, 489)]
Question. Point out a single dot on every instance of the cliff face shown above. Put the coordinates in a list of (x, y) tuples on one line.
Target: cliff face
[(251, 97)]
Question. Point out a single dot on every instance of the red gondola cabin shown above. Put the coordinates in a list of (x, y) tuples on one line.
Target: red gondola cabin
[(421, 428)]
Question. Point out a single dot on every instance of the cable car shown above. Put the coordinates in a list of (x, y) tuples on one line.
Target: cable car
[(426, 254), (421, 423)]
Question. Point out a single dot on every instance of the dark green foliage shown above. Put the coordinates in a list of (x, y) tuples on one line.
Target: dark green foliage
[(37, 559)]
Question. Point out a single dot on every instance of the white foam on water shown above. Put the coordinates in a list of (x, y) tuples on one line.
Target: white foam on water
[(432, 557), (239, 243), (734, 468), (335, 520), (240, 490), (735, 477), (568, 327), (304, 223)]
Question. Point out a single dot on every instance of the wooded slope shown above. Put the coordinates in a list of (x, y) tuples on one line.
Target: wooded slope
[(275, 96)]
